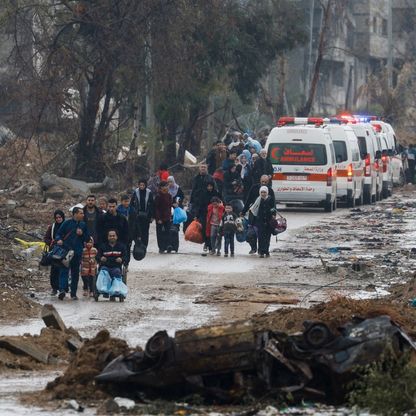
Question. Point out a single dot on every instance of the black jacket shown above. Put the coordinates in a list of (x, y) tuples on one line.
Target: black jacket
[(111, 254), (137, 203), (261, 167), (253, 194), (264, 214), (199, 185), (116, 222), (92, 228), (204, 201)]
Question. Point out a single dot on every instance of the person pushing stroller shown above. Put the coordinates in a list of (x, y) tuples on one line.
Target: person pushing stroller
[(112, 256)]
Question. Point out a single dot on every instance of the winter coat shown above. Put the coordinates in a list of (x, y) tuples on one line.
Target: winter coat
[(199, 186), (253, 194), (209, 216), (262, 167), (89, 261), (92, 226), (180, 195), (163, 205), (232, 184), (51, 232), (228, 222), (137, 204), (205, 200), (116, 222), (111, 253), (264, 214), (71, 240)]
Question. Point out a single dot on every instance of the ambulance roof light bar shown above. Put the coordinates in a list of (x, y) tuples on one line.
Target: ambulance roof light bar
[(291, 121)]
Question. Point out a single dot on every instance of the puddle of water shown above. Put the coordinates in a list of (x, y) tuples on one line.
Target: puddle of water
[(24, 382)]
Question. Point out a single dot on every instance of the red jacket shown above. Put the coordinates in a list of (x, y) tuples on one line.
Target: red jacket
[(163, 205), (209, 215)]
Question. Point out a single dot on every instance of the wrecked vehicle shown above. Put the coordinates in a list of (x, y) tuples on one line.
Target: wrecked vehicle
[(228, 361)]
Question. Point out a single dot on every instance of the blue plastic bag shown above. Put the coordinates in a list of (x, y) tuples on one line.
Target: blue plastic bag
[(118, 288), (103, 283), (179, 215)]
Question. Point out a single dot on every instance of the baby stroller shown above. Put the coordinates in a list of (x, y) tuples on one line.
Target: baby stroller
[(110, 287)]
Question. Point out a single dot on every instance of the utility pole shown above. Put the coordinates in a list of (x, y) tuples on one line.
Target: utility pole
[(390, 45)]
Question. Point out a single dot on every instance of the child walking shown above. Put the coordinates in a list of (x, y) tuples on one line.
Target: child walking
[(214, 216), (89, 268), (229, 229)]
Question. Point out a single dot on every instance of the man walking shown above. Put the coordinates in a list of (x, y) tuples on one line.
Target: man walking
[(141, 213), (72, 235), (112, 220), (91, 216)]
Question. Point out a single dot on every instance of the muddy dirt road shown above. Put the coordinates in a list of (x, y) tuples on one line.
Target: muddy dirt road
[(163, 289), (310, 263)]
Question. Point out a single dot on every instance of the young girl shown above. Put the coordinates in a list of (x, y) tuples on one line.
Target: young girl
[(214, 216), (88, 268)]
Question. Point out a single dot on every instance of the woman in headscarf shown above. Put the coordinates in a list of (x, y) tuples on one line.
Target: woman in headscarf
[(245, 173), (49, 239), (175, 191), (263, 211)]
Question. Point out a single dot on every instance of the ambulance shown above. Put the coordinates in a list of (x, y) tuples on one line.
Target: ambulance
[(304, 165), (350, 165), (391, 155)]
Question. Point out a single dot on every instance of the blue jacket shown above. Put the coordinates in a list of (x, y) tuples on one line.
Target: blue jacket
[(73, 241), (125, 212)]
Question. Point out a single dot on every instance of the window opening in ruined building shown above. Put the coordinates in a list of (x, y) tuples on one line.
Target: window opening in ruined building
[(384, 27)]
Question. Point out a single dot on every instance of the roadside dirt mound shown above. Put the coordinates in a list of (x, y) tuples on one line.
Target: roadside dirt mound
[(14, 306), (78, 380), (49, 340), (337, 312)]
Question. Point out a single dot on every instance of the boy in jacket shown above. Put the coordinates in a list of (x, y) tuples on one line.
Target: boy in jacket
[(229, 228), (89, 267)]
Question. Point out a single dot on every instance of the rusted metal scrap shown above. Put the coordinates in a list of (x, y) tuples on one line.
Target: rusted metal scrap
[(229, 360)]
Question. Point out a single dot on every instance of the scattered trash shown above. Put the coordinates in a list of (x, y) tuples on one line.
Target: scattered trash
[(128, 404)]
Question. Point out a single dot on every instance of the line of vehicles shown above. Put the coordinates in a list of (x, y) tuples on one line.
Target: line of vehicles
[(320, 162)]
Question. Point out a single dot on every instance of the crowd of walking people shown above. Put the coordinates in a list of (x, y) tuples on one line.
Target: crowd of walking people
[(232, 187)]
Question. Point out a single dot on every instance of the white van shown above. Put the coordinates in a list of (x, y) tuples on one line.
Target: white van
[(367, 143), (397, 169), (350, 166), (304, 165)]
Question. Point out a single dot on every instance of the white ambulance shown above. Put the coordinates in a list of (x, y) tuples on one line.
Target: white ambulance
[(350, 166), (303, 158)]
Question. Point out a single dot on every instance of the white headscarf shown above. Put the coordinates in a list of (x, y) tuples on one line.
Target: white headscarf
[(255, 207), (173, 188)]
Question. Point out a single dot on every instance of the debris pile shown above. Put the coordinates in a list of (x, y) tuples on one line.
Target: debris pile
[(53, 346), (79, 378), (309, 353)]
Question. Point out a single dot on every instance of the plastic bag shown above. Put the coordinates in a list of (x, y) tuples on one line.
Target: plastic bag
[(194, 232), (103, 283), (139, 250), (179, 215), (118, 288)]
